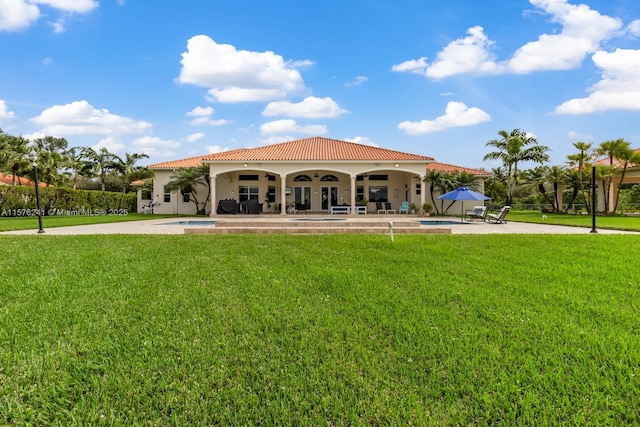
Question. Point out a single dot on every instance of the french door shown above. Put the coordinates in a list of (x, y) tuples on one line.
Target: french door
[(302, 196), (329, 197)]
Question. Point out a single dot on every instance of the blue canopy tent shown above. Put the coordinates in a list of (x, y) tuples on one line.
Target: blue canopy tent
[(461, 194)]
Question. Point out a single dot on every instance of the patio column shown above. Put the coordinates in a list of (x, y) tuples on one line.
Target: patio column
[(352, 202), (283, 194), (423, 191), (214, 205)]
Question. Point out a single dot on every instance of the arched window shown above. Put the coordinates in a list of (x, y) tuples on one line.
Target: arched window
[(302, 178), (329, 178)]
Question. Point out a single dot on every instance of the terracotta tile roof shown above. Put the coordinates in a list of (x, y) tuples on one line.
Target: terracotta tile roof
[(315, 149), (444, 167), (191, 162), (8, 180), (617, 163)]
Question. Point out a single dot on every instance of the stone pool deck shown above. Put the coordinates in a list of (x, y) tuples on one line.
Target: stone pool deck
[(312, 224)]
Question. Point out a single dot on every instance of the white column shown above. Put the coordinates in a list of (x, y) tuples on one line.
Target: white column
[(214, 203), (423, 191), (283, 194), (352, 202)]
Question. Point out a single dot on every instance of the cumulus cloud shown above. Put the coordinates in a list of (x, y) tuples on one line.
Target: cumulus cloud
[(310, 107), (112, 144), (20, 14), (203, 117), (583, 29), (81, 118), (234, 75), (290, 125), (619, 88), (212, 149), (470, 54), (582, 32), (457, 114), (5, 114), (194, 137), (154, 146), (362, 140)]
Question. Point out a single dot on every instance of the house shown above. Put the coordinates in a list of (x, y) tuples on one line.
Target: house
[(19, 180), (310, 175), (631, 176)]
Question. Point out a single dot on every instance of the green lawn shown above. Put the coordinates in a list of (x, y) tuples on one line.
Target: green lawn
[(320, 330), (26, 223), (616, 222)]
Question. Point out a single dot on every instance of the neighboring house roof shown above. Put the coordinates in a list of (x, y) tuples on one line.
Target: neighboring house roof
[(617, 163), (444, 167), (20, 180), (191, 162), (315, 149)]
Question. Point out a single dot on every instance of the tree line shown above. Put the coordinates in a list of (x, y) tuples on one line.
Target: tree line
[(76, 167)]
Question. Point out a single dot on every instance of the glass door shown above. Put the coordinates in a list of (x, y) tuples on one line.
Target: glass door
[(302, 198), (329, 197)]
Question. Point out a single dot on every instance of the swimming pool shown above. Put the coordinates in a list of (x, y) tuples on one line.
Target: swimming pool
[(198, 223)]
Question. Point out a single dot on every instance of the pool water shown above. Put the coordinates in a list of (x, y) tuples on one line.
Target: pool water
[(319, 219), (199, 223), (440, 222)]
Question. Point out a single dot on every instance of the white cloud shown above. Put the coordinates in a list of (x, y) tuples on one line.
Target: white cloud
[(290, 125), (457, 114), (310, 107), (20, 14), (634, 28), (212, 149), (470, 54), (583, 29), (579, 136), (5, 114), (201, 112), (238, 75), (362, 140), (582, 32), (357, 82), (113, 144), (80, 118), (17, 14), (195, 137), (154, 146), (203, 117), (619, 88)]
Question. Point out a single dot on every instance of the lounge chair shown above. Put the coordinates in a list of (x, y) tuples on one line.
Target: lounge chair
[(380, 208), (478, 213), (388, 208), (404, 207), (499, 218)]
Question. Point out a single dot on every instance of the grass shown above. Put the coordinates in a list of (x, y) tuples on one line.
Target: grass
[(320, 330), (615, 222), (26, 223)]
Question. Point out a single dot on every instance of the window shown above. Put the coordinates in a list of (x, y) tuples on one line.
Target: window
[(360, 177), (329, 178), (186, 196), (167, 195), (145, 195), (271, 194), (359, 193), (248, 178), (418, 189), (378, 194), (302, 178), (248, 192)]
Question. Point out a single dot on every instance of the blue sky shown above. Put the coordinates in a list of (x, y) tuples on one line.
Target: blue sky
[(175, 79)]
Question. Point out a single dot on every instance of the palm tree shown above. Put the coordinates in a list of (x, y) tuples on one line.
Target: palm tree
[(130, 172), (51, 153), (537, 177), (557, 175), (627, 157), (435, 179), (100, 163), (612, 150), (515, 147), (14, 156), (581, 160), (187, 179)]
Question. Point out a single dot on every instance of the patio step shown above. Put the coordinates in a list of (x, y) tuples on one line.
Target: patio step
[(361, 229), (317, 223)]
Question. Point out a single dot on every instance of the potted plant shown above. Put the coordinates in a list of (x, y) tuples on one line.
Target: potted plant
[(413, 208), (426, 209), (362, 202)]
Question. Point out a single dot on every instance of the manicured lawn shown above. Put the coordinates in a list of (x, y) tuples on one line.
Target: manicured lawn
[(320, 330), (612, 222), (26, 223)]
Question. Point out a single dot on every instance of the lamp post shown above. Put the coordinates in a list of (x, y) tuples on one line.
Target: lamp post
[(34, 157), (593, 200)]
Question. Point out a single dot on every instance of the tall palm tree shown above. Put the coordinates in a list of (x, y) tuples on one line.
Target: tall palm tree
[(14, 156), (627, 157), (51, 153), (513, 148), (130, 172), (612, 150), (100, 163), (582, 159), (435, 179)]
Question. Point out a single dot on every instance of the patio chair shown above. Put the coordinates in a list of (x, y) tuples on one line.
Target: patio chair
[(404, 207), (380, 208), (388, 208), (499, 218), (478, 213)]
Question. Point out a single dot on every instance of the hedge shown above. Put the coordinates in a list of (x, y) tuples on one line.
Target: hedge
[(14, 200)]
